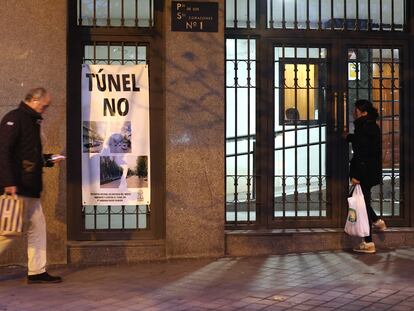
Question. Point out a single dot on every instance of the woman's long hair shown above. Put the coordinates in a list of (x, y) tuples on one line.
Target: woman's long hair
[(364, 105)]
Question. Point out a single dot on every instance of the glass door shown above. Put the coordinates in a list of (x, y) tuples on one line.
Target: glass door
[(303, 127), (314, 89), (375, 73)]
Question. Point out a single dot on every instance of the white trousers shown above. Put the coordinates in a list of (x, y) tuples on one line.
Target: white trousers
[(35, 227)]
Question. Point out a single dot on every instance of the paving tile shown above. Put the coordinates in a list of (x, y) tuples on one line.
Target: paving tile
[(315, 281), (402, 308)]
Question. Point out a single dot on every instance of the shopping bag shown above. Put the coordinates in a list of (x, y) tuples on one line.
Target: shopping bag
[(357, 220), (11, 215)]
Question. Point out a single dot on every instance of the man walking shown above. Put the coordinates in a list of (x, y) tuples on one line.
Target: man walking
[(21, 165)]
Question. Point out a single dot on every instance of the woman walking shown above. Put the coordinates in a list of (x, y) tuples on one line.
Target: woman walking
[(366, 164)]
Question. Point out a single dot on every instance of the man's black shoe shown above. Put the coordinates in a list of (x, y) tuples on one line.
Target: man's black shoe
[(43, 278)]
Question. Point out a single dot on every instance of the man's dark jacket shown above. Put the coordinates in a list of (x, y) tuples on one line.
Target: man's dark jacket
[(366, 163), (21, 157)]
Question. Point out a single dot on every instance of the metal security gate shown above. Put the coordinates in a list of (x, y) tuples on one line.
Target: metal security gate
[(376, 72), (294, 70), (315, 88), (301, 129)]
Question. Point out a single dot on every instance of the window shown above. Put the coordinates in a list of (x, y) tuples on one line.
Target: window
[(116, 13), (241, 13), (241, 130), (118, 32), (116, 217), (356, 15)]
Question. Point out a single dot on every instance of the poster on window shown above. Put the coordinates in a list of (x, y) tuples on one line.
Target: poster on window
[(115, 135)]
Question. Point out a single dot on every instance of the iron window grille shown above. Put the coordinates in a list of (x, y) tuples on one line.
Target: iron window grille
[(340, 15), (241, 130), (115, 13), (116, 217)]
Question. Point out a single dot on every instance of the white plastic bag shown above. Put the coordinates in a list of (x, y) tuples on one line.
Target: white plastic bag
[(357, 220)]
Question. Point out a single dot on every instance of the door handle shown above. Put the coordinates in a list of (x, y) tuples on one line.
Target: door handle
[(335, 111), (345, 112)]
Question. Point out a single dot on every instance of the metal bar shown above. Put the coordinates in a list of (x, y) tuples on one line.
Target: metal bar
[(302, 176), (344, 25), (148, 216), (94, 52), (109, 53), (295, 23), (380, 26), (136, 53), (357, 16), (320, 15), (392, 135), (308, 129), (357, 71), (299, 145), (369, 16), (123, 216), (345, 111), (406, 18), (248, 129), (137, 215), (108, 16), (122, 14), (284, 14), (296, 131), (335, 108), (136, 14), (272, 21), (370, 76), (95, 216), (80, 20), (248, 15), (235, 14), (381, 122), (225, 144), (320, 149), (94, 13), (307, 15), (122, 53), (283, 138), (235, 132), (151, 19), (109, 216), (392, 16), (332, 14)]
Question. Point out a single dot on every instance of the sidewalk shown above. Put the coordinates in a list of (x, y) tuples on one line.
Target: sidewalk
[(312, 281)]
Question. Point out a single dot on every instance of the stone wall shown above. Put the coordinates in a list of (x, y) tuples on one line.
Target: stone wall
[(33, 53), (33, 48), (194, 108)]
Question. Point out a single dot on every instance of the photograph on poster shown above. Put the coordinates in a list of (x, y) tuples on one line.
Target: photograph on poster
[(124, 172), (111, 171), (120, 137), (93, 134), (137, 176)]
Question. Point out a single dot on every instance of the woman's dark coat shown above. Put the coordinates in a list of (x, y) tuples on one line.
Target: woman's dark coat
[(366, 163)]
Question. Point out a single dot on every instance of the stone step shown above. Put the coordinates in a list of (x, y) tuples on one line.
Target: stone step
[(111, 252), (286, 241)]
